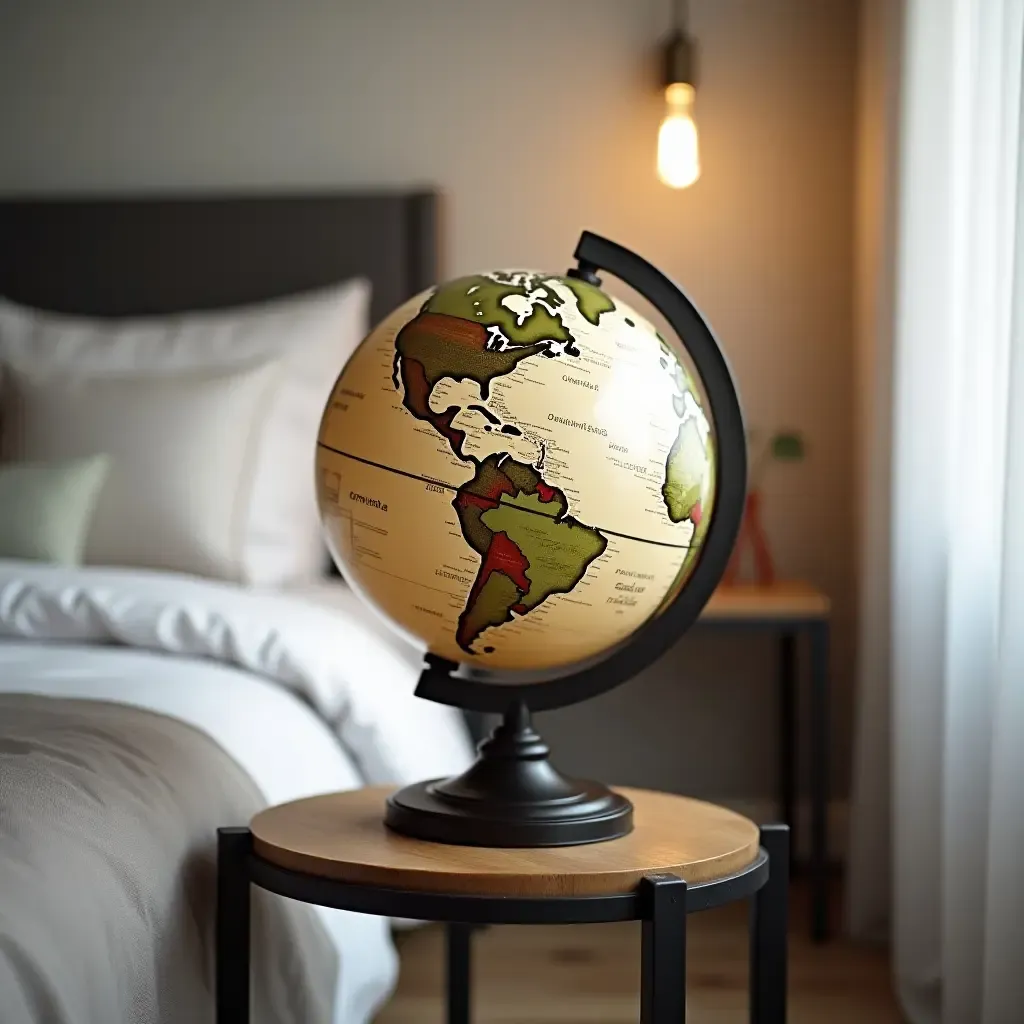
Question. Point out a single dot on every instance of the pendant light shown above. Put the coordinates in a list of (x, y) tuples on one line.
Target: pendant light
[(678, 148)]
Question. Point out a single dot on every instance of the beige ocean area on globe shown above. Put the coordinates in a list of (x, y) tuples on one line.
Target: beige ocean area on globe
[(516, 470)]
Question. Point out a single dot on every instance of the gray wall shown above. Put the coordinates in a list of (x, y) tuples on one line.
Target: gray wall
[(537, 118)]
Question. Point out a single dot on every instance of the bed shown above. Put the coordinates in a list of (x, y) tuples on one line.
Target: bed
[(161, 668)]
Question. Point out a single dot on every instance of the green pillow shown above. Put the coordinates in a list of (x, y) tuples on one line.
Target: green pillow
[(46, 509)]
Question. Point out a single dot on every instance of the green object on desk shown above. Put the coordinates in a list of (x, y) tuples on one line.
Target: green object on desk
[(778, 446), (787, 447)]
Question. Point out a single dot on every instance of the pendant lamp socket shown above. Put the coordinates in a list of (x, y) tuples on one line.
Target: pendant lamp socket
[(680, 57)]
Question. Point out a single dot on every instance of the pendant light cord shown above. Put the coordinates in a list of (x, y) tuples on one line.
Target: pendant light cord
[(681, 10)]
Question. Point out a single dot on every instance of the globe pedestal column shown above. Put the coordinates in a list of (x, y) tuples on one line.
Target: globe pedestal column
[(512, 796)]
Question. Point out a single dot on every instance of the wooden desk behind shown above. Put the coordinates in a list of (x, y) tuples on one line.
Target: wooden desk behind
[(787, 600), (789, 609)]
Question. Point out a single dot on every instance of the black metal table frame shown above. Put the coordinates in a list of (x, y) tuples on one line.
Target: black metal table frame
[(789, 629), (660, 902)]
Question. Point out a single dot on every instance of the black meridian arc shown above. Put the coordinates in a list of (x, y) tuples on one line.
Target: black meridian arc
[(443, 681)]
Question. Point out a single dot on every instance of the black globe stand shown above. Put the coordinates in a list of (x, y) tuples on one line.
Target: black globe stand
[(512, 796)]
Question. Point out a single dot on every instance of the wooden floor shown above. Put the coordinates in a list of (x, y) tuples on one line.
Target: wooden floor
[(589, 974)]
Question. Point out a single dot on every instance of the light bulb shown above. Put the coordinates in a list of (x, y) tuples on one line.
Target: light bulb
[(678, 155)]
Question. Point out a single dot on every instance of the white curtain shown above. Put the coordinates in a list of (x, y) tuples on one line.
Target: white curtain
[(941, 722)]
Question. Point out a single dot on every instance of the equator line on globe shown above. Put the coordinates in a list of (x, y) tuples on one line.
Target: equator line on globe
[(516, 469)]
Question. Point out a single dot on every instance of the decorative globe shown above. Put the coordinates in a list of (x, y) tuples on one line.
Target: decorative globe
[(516, 470)]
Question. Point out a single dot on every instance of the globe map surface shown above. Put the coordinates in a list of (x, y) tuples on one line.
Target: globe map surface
[(516, 470)]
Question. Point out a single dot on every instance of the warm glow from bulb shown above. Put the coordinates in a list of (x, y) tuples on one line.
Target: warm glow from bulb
[(678, 155)]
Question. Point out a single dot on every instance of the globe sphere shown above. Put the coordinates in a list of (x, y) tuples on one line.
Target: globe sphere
[(516, 470)]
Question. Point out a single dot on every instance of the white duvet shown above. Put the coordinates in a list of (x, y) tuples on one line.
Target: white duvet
[(307, 691)]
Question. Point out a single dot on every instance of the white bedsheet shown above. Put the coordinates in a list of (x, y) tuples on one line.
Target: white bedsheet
[(309, 693)]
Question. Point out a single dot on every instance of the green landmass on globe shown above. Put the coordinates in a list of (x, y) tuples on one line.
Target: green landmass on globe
[(685, 470), (529, 547), (479, 328), (481, 299)]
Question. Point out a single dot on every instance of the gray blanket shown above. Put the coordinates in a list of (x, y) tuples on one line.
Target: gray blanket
[(108, 819)]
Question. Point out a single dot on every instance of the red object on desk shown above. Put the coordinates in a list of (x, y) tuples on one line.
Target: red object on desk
[(751, 535)]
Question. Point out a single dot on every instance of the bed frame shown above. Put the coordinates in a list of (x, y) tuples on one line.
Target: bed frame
[(132, 256)]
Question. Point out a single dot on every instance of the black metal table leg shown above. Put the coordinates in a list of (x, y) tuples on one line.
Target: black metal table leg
[(787, 731), (459, 939), (820, 768), (769, 920), (663, 950), (232, 926)]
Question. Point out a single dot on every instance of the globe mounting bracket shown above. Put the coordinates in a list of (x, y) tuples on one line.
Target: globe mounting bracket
[(585, 271)]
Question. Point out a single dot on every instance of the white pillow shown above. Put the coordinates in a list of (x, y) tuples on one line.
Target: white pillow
[(238, 397), (178, 484)]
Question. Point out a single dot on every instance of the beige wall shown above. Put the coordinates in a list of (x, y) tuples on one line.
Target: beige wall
[(537, 118)]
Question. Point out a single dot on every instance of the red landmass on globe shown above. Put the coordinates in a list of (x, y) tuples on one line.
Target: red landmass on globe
[(450, 328), (492, 488), (466, 498), (417, 394), (503, 556)]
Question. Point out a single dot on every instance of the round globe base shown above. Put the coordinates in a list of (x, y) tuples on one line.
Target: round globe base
[(511, 797), (597, 815)]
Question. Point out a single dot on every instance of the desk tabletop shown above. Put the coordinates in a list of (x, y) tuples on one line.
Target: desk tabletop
[(785, 599), (342, 836)]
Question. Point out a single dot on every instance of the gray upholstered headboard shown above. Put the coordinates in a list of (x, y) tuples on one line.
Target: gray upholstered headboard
[(127, 256), (123, 256)]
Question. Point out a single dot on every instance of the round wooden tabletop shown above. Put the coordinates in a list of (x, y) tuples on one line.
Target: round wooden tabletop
[(342, 836)]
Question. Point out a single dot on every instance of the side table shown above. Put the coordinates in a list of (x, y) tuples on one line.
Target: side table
[(683, 855)]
